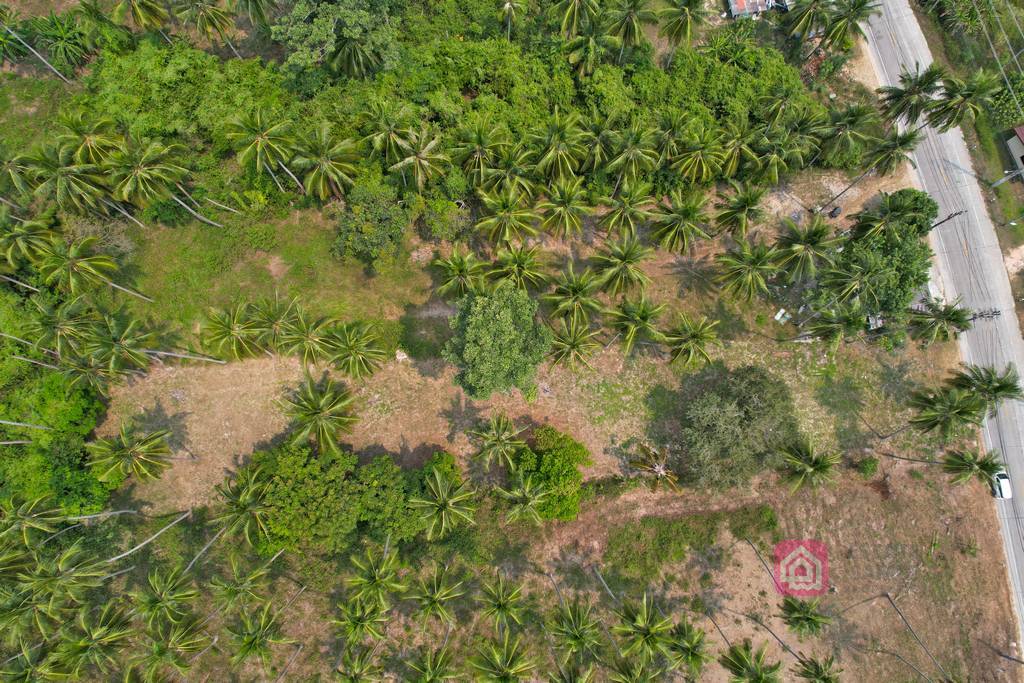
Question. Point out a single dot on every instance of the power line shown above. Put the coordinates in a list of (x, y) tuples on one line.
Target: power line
[(1013, 15), (1006, 37)]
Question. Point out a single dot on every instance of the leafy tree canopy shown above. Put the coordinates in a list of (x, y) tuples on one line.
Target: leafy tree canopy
[(553, 463)]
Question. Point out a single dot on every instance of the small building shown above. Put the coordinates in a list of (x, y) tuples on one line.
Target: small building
[(1015, 143), (752, 8)]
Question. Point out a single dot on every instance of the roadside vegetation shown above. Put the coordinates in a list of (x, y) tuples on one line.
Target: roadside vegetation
[(507, 193)]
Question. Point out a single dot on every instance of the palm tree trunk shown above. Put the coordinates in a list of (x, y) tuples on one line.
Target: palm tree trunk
[(128, 291), (205, 548), (289, 663), (27, 343), (186, 356), (16, 442), (37, 55), (116, 207), (9, 423), (274, 176), (291, 175), (189, 197), (149, 540), (196, 215), (36, 362), (161, 32), (109, 513), (222, 206), (847, 188), (230, 45), (19, 283)]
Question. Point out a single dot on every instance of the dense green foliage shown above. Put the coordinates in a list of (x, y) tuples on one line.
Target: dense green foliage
[(373, 223), (553, 461), (1007, 109), (732, 425), (497, 341)]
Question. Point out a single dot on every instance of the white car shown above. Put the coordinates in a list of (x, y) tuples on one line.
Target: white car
[(1001, 486)]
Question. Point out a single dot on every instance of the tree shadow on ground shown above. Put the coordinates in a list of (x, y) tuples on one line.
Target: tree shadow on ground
[(730, 323), (406, 457), (695, 275), (157, 418), (895, 380), (425, 331), (844, 399), (462, 414)]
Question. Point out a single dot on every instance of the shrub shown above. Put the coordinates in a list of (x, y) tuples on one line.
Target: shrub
[(734, 425), (497, 341), (554, 462), (373, 223), (868, 467)]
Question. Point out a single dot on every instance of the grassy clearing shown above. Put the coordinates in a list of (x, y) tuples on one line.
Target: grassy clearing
[(28, 107)]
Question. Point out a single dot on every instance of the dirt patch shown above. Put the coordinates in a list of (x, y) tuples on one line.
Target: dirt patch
[(1014, 260), (276, 266)]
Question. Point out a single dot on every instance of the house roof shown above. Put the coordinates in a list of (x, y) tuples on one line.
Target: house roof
[(1019, 132), (740, 8)]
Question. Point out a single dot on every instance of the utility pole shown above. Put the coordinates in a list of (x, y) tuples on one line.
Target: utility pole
[(948, 218)]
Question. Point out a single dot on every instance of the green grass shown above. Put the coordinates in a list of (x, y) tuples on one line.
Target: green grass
[(28, 107), (189, 268)]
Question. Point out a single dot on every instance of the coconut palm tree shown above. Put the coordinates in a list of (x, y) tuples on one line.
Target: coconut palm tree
[(843, 22), (145, 455), (477, 150), (498, 439), (627, 19), (559, 145), (269, 319), (166, 597), (848, 129), (635, 321), (525, 498), (357, 350), (594, 43), (519, 266), (701, 156), (804, 617), (635, 153), (574, 295), (574, 13), (502, 601), (118, 342), (511, 171), (388, 125), (626, 209), (101, 32), (15, 174), (749, 665), (434, 666), (509, 216), (27, 520), (643, 629), (209, 18), (62, 327), (679, 20), (564, 208), (690, 338), (962, 466), (90, 140), (576, 630), (738, 211), (686, 649), (962, 100), (779, 152), (263, 144), (634, 670), (376, 576), (682, 222), (939, 321), (992, 386), (94, 642), (890, 216), (803, 465), (419, 153), (361, 619), (619, 265), (746, 269), (655, 464), (328, 163), (353, 57), (434, 594), (255, 634), (242, 587), (572, 342), (445, 505), (817, 670), (170, 646), (460, 273), (947, 410), (245, 506), (357, 665), (147, 15), (509, 11), (55, 175), (74, 267), (307, 337), (807, 17), (256, 10), (321, 412), (11, 50), (23, 241), (737, 148), (231, 331), (502, 661), (803, 250), (914, 94)]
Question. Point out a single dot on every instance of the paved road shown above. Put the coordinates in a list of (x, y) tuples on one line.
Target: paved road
[(968, 265)]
